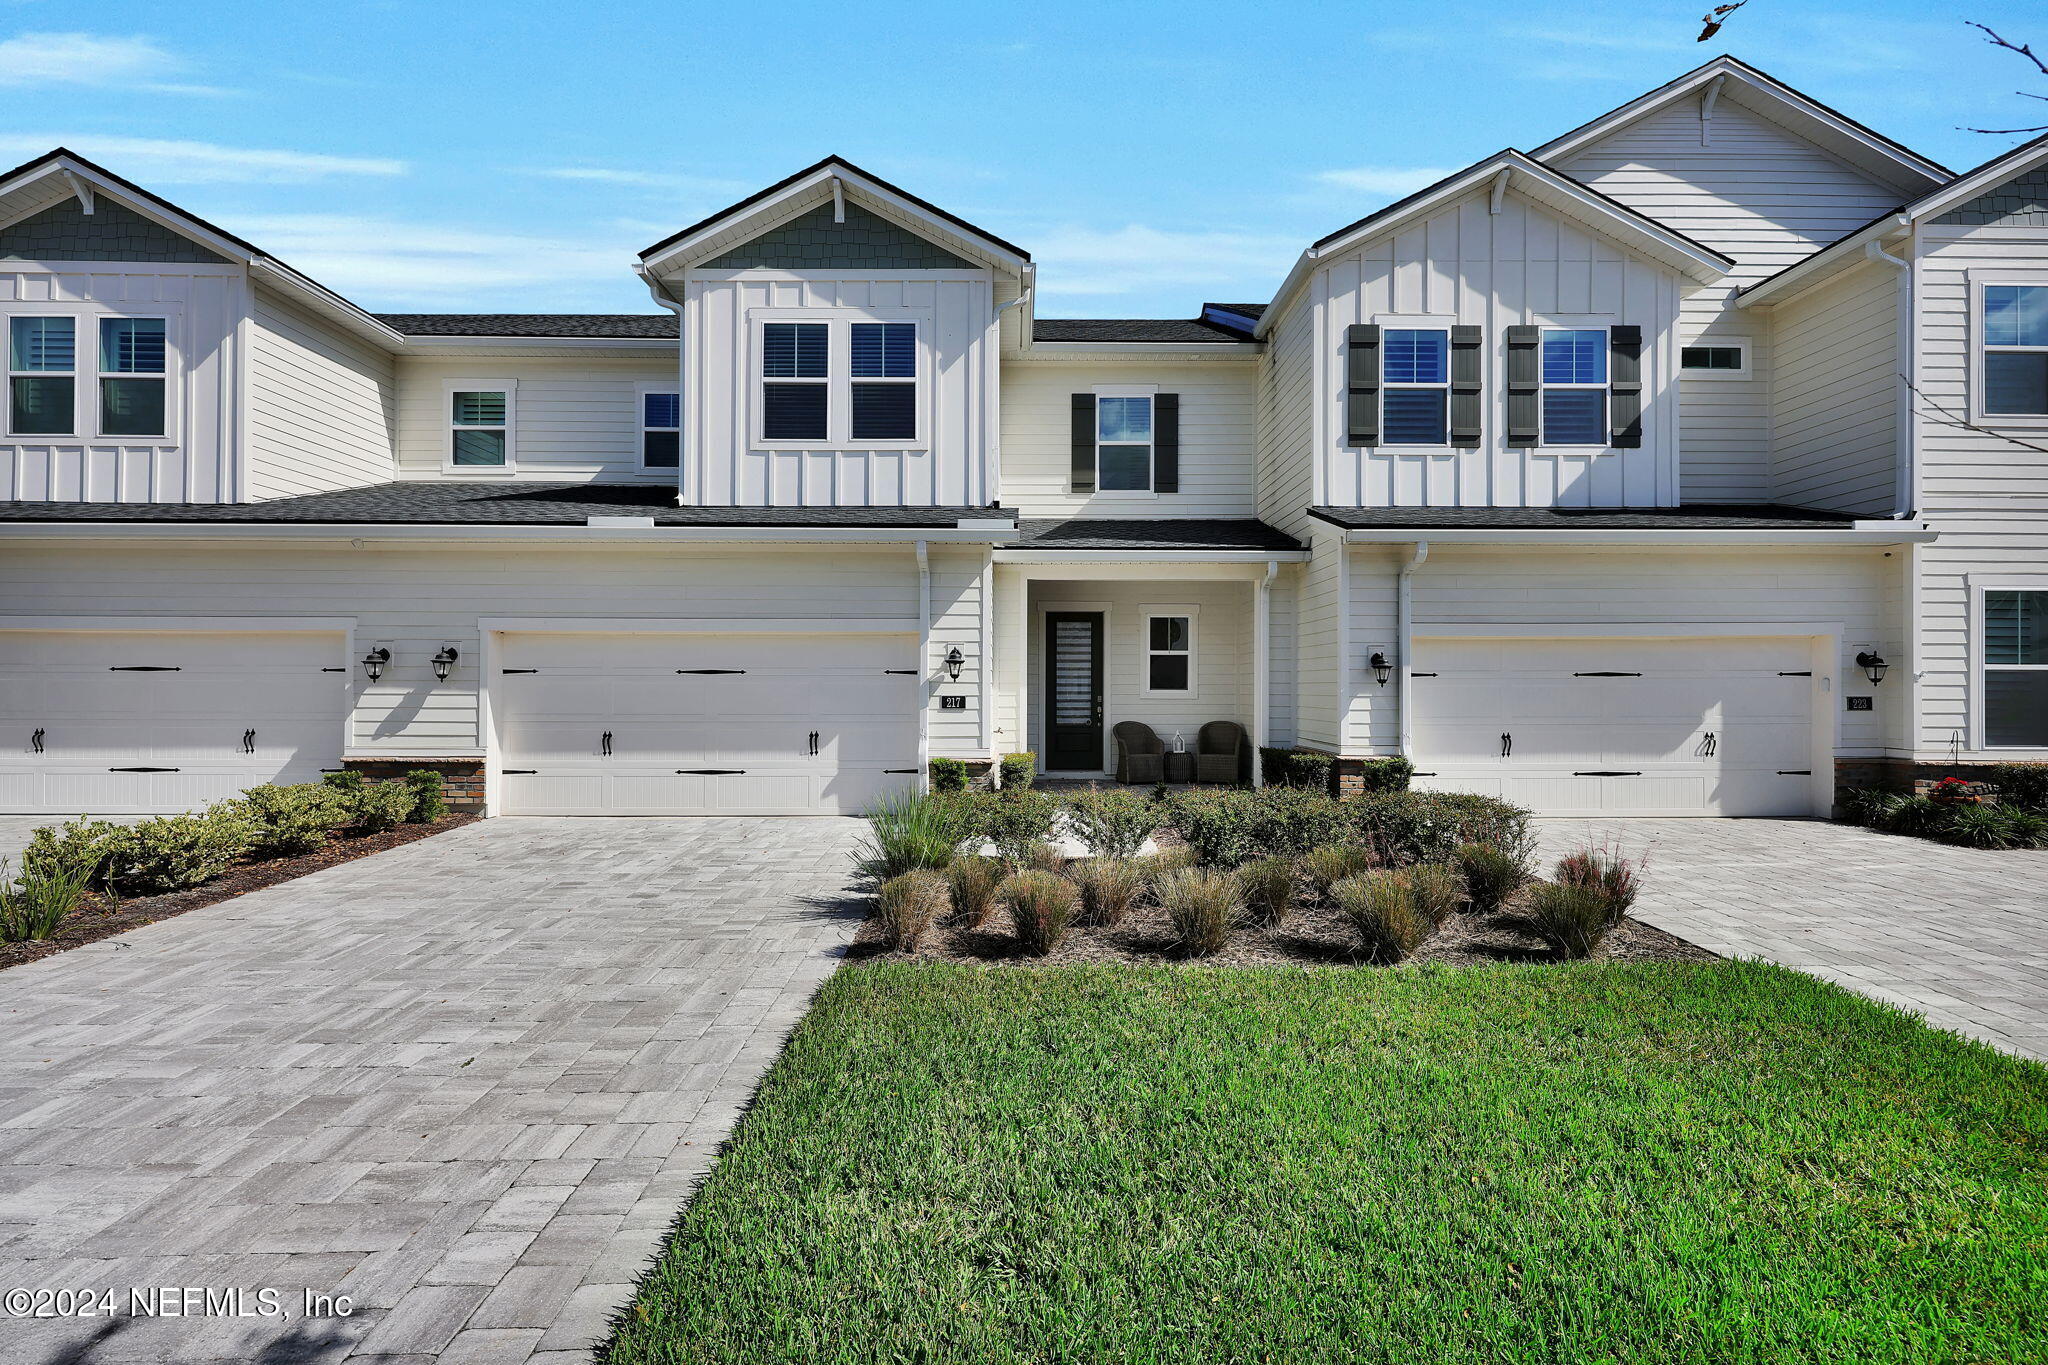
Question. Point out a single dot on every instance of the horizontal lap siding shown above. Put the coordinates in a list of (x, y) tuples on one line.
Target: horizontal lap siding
[(1218, 422), (321, 405), (1835, 394), (1286, 435), (576, 418), (1317, 614), (956, 621)]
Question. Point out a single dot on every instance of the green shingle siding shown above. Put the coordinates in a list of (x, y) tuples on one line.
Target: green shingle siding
[(813, 241), (65, 232), (2021, 202)]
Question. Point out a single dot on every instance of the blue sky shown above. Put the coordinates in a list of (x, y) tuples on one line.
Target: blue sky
[(514, 156)]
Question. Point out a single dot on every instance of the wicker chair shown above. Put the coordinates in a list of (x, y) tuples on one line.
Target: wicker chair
[(1220, 750), (1140, 757)]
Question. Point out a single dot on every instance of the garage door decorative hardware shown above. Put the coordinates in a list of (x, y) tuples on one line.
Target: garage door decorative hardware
[(1708, 744), (1606, 673), (1507, 745), (1422, 774), (1422, 675), (520, 772), (906, 672), (711, 772), (248, 741), (605, 744), (711, 670), (145, 668), (334, 670), (899, 770), (814, 744), (36, 739), (1606, 772), (1795, 772), (142, 770), (519, 670), (1807, 673)]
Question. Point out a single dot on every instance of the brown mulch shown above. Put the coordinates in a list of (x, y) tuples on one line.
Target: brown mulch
[(1313, 936), (101, 918)]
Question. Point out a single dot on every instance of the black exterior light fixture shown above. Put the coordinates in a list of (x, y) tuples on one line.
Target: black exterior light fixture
[(444, 662), (1382, 667), (1873, 665), (955, 660), (374, 661)]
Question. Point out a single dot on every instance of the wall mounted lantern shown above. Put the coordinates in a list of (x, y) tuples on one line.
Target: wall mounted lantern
[(374, 661), (955, 660), (444, 662), (1873, 665), (1382, 667)]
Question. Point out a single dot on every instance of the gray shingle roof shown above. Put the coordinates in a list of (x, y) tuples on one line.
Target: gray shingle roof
[(634, 326), (1133, 329), (1158, 534), (430, 503), (1699, 516)]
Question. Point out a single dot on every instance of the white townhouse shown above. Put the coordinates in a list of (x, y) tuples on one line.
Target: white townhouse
[(1684, 464)]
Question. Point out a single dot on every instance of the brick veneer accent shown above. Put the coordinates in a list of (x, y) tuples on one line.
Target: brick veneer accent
[(463, 778), (1904, 774)]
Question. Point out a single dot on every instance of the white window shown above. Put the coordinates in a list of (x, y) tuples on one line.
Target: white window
[(132, 377), (1415, 378), (884, 381), (2015, 350), (42, 376), (796, 378), (1574, 386), (480, 427), (661, 435), (1715, 360), (2015, 668), (1123, 442), (1169, 652), (839, 382)]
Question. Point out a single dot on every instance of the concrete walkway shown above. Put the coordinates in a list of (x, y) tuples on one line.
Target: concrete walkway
[(466, 1083), (1959, 935)]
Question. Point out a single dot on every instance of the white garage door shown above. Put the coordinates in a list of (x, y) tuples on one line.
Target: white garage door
[(691, 724), (1619, 726), (130, 722)]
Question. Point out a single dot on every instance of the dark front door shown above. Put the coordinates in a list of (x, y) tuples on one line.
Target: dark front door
[(1073, 690)]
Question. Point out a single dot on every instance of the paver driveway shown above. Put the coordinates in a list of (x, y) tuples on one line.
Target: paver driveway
[(1959, 935), (467, 1083)]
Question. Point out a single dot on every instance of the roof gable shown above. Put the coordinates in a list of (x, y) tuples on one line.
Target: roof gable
[(2019, 202), (822, 238), (64, 231)]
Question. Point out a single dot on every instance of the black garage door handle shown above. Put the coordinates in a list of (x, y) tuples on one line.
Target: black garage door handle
[(710, 772), (1607, 772), (143, 770)]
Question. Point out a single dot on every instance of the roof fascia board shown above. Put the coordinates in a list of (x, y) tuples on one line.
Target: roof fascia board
[(460, 532), (271, 271), (1206, 350), (1025, 555), (466, 345), (1856, 534), (1836, 258)]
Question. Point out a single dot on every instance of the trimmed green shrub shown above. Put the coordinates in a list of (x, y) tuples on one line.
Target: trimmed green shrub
[(1571, 919), (429, 796), (1867, 806), (1113, 824), (1333, 863), (1993, 826), (347, 780), (907, 833), (1384, 775), (1436, 890), (1109, 887), (79, 846), (293, 820), (1041, 906), (1266, 886), (948, 775), (381, 806), (1202, 905), (907, 906), (1915, 815), (1017, 820), (45, 898), (1227, 828), (178, 852), (1605, 874), (972, 881), (1307, 769), (2021, 784), (1491, 875), (1382, 913), (1018, 771)]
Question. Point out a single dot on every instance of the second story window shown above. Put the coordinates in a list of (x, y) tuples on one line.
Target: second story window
[(132, 377), (480, 429), (661, 416), (1415, 376), (1123, 443), (42, 381), (1574, 386), (2015, 350), (884, 382), (795, 381)]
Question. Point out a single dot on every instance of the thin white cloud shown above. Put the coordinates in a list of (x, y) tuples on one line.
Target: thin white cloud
[(667, 181), (1389, 180), (1137, 259), (33, 60), (161, 161)]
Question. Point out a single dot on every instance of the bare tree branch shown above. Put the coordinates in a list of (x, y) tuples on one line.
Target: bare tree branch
[(2023, 49), (1947, 418), (2039, 128), (1717, 16)]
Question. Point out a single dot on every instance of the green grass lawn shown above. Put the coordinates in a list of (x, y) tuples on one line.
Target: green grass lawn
[(1592, 1162)]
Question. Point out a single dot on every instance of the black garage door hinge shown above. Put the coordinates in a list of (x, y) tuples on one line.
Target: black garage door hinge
[(1607, 772), (899, 770), (1795, 772), (1805, 674), (711, 670), (334, 670), (906, 672), (1606, 673), (142, 770), (710, 772), (519, 670), (1422, 675), (145, 668), (519, 772)]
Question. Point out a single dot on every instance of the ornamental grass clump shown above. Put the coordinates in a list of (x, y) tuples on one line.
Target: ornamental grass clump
[(907, 906), (1492, 876), (1110, 889), (972, 882), (1605, 874), (907, 833), (1571, 919), (1113, 824), (1202, 905), (1333, 863), (1267, 886), (1997, 827), (1383, 913), (37, 907), (1437, 890), (1041, 906), (1159, 866)]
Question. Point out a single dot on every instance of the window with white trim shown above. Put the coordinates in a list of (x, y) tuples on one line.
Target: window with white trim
[(661, 434), (2015, 668), (1415, 386), (2015, 342), (1574, 372), (1715, 359), (42, 376), (883, 383), (480, 429), (796, 380), (1123, 443), (132, 377), (1169, 652)]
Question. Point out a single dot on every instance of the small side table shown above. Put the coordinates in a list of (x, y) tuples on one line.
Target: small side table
[(1180, 767)]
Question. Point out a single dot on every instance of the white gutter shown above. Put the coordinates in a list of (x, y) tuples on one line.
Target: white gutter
[(1858, 533), (1023, 556), (128, 532), (1908, 348), (1404, 627), (660, 296), (924, 665), (1835, 254)]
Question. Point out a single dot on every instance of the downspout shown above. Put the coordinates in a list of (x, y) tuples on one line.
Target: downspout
[(682, 387), (1908, 351), (924, 666), (1404, 598)]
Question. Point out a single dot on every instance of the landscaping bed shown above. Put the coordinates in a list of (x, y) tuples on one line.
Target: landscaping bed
[(1517, 1165), (102, 916)]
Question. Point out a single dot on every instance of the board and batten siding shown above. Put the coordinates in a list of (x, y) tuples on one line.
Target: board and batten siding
[(416, 599), (199, 458), (949, 467), (321, 405), (1761, 194), (1218, 424), (1522, 265), (575, 417), (1835, 394), (1986, 494)]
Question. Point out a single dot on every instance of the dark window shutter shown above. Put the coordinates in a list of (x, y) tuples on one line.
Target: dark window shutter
[(1084, 443), (1362, 385), (1467, 385), (1625, 387), (1525, 388), (1166, 443)]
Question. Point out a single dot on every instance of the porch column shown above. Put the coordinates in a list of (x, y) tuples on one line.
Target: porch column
[(1261, 665)]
